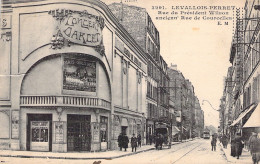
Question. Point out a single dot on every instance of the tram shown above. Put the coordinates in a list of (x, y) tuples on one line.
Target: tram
[(206, 135)]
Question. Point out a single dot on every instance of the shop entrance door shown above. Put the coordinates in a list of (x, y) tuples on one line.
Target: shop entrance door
[(79, 132), (39, 135), (39, 132)]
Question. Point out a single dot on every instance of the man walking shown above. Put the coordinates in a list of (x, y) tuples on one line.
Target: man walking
[(224, 141), (253, 137), (133, 143), (255, 148), (213, 143), (125, 141), (139, 140), (120, 140)]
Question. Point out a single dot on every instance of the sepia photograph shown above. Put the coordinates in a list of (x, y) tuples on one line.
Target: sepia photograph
[(129, 81)]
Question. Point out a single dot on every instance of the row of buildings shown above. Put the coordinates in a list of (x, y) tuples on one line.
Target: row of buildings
[(239, 109), (74, 75)]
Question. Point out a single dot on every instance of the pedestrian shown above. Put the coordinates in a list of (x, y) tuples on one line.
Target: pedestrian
[(213, 143), (157, 142), (139, 140), (224, 141), (133, 143), (238, 145), (119, 140), (233, 150), (125, 141), (163, 140), (250, 144), (255, 148), (151, 139)]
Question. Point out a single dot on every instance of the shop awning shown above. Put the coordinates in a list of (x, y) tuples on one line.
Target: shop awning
[(242, 115), (175, 130), (254, 119)]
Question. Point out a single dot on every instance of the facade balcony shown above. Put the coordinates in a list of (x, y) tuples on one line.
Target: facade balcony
[(64, 101)]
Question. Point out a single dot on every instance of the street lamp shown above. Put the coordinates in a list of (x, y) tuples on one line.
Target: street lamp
[(210, 105), (219, 110)]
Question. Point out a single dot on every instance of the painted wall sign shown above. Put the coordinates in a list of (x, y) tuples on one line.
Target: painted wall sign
[(80, 27)]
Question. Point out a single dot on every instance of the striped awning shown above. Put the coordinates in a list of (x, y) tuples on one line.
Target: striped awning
[(242, 115), (254, 119)]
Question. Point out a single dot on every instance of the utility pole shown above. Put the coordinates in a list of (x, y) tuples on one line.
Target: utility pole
[(223, 115), (181, 114)]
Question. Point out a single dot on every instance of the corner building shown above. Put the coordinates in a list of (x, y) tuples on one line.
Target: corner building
[(72, 78)]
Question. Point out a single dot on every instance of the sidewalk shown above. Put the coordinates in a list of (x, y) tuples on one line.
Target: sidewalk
[(245, 158), (78, 155)]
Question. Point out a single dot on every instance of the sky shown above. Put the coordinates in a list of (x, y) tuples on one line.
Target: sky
[(200, 48)]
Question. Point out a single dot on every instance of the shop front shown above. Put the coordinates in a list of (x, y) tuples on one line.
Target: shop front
[(75, 119)]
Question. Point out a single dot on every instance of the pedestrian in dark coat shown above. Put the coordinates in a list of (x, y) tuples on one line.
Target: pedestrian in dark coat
[(213, 143), (255, 148), (151, 139), (133, 143), (157, 142), (139, 140), (238, 145), (125, 142), (233, 148), (120, 141), (251, 146), (224, 141)]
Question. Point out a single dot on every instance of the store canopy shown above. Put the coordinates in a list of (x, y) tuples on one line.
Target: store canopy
[(254, 119), (243, 114), (175, 130)]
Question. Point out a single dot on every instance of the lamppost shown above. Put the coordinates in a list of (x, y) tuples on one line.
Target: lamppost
[(219, 110)]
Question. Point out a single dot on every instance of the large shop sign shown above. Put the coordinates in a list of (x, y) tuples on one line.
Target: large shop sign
[(79, 27)]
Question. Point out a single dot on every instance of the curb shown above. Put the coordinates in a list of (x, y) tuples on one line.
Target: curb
[(221, 147), (86, 158), (77, 158)]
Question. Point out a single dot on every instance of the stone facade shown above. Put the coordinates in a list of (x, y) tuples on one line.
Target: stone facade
[(68, 87)]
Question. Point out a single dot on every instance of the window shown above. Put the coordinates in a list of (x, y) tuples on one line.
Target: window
[(40, 131)]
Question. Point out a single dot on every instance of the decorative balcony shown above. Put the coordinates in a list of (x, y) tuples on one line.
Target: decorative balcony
[(65, 101)]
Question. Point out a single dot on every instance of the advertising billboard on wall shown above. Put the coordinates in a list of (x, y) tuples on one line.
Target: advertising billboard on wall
[(79, 75)]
